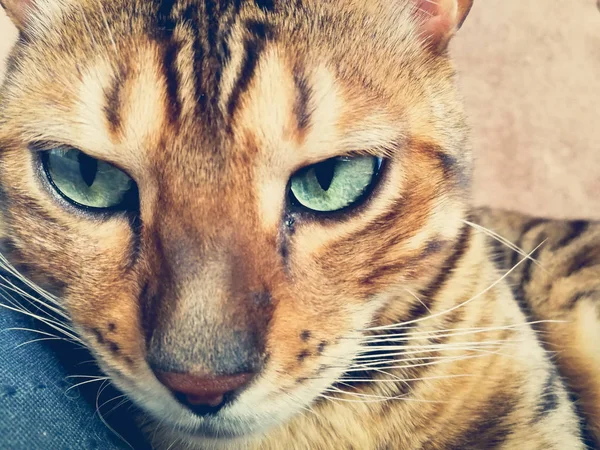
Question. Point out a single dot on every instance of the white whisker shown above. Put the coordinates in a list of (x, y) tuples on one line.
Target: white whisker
[(23, 344), (7, 266), (502, 240), (425, 364), (406, 380), (445, 346), (100, 390), (418, 299), (460, 305), (451, 332), (57, 326), (54, 307), (94, 380)]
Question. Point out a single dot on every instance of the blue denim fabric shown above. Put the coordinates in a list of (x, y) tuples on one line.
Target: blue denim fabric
[(36, 412)]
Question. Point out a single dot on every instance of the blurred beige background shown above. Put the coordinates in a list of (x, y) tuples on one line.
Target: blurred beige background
[(530, 74)]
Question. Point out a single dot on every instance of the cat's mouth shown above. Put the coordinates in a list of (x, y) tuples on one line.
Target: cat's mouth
[(205, 396), (220, 427), (200, 418)]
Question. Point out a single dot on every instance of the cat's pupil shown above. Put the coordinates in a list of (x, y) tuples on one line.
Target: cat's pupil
[(325, 172), (88, 167)]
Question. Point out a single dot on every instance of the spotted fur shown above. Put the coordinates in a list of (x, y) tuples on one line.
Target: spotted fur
[(385, 327)]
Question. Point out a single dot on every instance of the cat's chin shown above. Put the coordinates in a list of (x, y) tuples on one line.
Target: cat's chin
[(220, 435)]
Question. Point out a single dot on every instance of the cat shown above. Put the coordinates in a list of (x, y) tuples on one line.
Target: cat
[(256, 214)]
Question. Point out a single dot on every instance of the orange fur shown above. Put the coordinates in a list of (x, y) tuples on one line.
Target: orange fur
[(211, 119)]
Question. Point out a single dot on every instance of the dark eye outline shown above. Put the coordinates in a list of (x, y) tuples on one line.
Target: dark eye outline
[(294, 205), (130, 204)]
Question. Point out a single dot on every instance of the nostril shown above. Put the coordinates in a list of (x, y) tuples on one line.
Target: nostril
[(203, 394)]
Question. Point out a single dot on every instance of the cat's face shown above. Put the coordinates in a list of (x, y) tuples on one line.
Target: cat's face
[(224, 188)]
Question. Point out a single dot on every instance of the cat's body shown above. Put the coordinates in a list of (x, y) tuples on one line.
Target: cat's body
[(379, 322)]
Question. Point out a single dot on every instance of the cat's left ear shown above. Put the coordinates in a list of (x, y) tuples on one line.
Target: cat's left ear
[(439, 20), (18, 11)]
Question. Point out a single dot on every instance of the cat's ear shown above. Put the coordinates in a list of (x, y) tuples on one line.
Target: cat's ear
[(18, 11), (439, 20)]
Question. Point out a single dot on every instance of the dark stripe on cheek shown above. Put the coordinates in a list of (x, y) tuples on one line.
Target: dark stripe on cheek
[(136, 225), (428, 295)]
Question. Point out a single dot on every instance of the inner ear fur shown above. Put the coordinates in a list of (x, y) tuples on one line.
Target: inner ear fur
[(439, 20), (18, 11)]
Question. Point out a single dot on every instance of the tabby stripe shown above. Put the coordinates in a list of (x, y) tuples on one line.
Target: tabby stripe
[(449, 163), (576, 229), (303, 98), (212, 76), (165, 15), (528, 267), (491, 430), (190, 16), (221, 48), (212, 24), (253, 48), (526, 229), (450, 319), (585, 433), (549, 400), (172, 80), (135, 248), (386, 224), (498, 253), (574, 300), (223, 51), (589, 256), (429, 294), (519, 292), (420, 309), (114, 101), (266, 5), (148, 309)]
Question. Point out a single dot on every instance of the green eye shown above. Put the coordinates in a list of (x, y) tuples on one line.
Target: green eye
[(336, 183), (86, 181)]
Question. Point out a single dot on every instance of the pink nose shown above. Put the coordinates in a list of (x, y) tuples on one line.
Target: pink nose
[(203, 390)]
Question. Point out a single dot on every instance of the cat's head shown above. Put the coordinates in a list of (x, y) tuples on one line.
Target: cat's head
[(226, 194)]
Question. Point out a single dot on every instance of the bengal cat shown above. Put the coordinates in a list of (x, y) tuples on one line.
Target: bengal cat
[(255, 213)]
